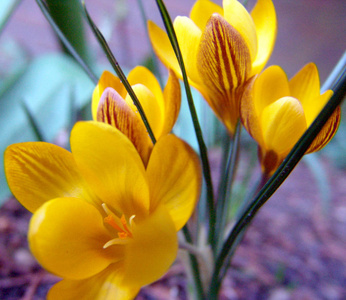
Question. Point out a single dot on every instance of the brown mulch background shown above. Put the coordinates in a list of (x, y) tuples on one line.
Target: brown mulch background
[(294, 249)]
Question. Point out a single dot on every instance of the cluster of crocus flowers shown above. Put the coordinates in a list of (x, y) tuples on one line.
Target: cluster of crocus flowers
[(102, 220), (112, 104), (277, 111), (222, 48)]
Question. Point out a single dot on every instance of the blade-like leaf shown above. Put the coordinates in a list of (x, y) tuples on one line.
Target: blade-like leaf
[(202, 147), (276, 180), (61, 78), (119, 72), (65, 41)]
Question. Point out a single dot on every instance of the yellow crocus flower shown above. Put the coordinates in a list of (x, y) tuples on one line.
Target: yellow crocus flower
[(222, 48), (101, 220), (112, 104), (276, 112)]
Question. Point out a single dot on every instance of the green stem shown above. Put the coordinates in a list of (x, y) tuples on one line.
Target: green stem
[(275, 181), (194, 267), (202, 147), (154, 58), (224, 199), (120, 73)]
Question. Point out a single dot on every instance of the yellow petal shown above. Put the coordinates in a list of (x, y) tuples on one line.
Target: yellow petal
[(172, 98), (250, 118), (313, 107), (283, 123), (107, 79), (237, 15), (264, 17), (174, 176), (202, 11), (270, 85), (38, 172), (327, 132), (224, 65), (111, 166), (305, 85), (103, 286), (162, 47), (114, 110), (188, 35), (141, 75), (151, 107), (66, 235), (152, 251)]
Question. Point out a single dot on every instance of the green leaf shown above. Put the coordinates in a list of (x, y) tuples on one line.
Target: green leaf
[(286, 167), (202, 146), (46, 86), (68, 45), (69, 18), (103, 43)]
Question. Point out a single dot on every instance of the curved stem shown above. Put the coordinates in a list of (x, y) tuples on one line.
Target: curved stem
[(224, 199), (194, 267), (276, 180), (202, 147), (120, 73)]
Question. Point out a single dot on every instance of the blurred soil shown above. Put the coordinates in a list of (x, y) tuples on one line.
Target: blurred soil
[(294, 248)]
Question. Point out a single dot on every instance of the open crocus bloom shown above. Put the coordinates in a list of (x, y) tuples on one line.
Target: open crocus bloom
[(276, 112), (111, 104), (222, 48), (101, 220)]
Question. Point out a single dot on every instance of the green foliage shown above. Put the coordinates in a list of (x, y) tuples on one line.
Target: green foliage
[(46, 86), (69, 18)]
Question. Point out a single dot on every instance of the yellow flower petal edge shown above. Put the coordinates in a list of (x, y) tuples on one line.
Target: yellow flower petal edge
[(172, 99), (327, 132), (106, 157), (305, 85), (264, 17), (114, 110), (141, 75), (239, 18), (188, 35), (103, 286), (66, 235), (163, 48), (114, 106), (106, 80), (214, 77), (283, 123), (124, 235), (153, 112), (276, 112), (37, 172), (224, 65), (152, 251), (202, 10), (176, 185)]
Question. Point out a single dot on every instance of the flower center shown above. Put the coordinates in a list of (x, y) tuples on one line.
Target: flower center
[(123, 228)]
